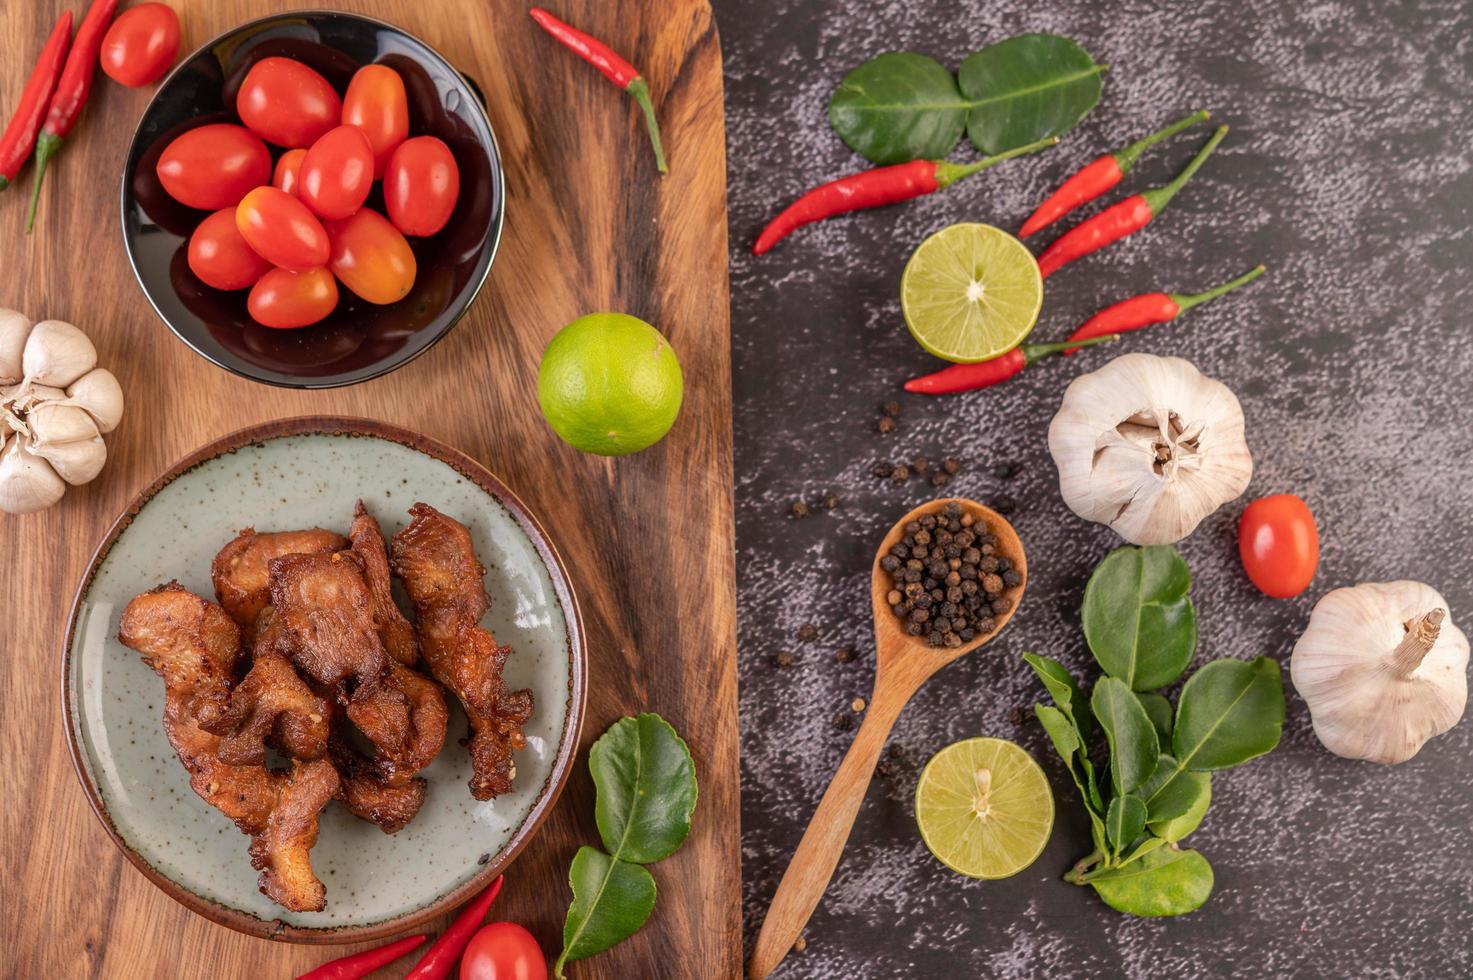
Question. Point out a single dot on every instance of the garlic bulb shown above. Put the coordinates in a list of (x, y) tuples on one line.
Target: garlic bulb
[(14, 329), (27, 482), (1149, 446), (57, 353), (1382, 668)]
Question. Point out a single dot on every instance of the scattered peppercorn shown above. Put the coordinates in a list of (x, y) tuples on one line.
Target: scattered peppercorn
[(900, 474), (882, 469), (890, 408), (807, 632), (843, 721), (800, 944), (1006, 471), (1004, 505), (885, 425), (884, 769), (845, 655), (830, 501), (951, 465), (799, 510), (940, 478), (920, 464), (784, 658)]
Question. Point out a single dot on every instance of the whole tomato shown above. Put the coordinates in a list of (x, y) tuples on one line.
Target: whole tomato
[(286, 103), (281, 229), (376, 103), (371, 258), (288, 171), (140, 45), (503, 951), (213, 167), (288, 298), (421, 186), (220, 256), (337, 173), (1279, 544)]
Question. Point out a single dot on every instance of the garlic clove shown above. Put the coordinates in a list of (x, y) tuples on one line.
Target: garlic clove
[(57, 353), (56, 423), (78, 461), (27, 482), (100, 395), (14, 329), (23, 397)]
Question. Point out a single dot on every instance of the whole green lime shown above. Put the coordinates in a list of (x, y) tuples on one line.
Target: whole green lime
[(610, 384)]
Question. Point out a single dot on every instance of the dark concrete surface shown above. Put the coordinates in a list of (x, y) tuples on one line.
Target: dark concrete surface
[(1349, 173)]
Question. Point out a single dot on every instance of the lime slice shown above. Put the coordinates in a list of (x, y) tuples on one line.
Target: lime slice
[(984, 808), (970, 292)]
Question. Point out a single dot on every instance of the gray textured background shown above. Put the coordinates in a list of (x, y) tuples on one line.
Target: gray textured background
[(1348, 174)]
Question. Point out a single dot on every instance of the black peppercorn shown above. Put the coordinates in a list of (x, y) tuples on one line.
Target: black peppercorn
[(885, 425), (882, 468), (844, 655), (784, 658), (1001, 605), (890, 408), (899, 474), (1011, 577), (807, 632), (830, 501), (799, 510), (940, 478), (952, 467)]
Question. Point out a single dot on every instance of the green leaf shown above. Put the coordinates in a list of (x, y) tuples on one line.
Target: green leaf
[(646, 788), (611, 900), (1159, 709), (899, 107), (1066, 742), (1172, 791), (1177, 828), (1065, 692), (1125, 820), (1230, 711), (1027, 88), (1128, 729), (1163, 882), (1138, 620)]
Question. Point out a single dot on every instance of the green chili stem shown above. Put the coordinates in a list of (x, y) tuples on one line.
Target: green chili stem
[(949, 173), (1033, 353), (1185, 303), (1158, 197), (641, 92), (1126, 158)]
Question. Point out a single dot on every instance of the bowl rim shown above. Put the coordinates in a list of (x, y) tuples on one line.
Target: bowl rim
[(494, 232), (570, 738)]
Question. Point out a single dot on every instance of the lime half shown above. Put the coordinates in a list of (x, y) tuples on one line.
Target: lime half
[(984, 808), (970, 292)]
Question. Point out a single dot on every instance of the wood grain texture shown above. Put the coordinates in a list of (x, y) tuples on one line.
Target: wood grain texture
[(648, 538)]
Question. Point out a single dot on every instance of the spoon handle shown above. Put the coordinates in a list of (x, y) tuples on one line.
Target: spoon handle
[(818, 853)]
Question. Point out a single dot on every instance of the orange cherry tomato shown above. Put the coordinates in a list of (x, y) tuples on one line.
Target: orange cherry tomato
[(220, 256), (371, 258), (281, 229), (337, 173), (286, 103), (212, 167), (140, 45), (285, 298), (421, 186), (288, 171), (376, 103), (1279, 544)]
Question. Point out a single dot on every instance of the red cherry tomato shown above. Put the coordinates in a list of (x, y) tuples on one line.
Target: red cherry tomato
[(281, 229), (371, 258), (421, 186), (220, 256), (337, 173), (286, 103), (140, 45), (1279, 545), (288, 171), (286, 298), (212, 167), (503, 951), (376, 104)]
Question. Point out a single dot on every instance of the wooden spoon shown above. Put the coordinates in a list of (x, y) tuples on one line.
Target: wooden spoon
[(902, 664)]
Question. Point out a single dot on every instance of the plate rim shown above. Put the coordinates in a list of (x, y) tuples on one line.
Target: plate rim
[(571, 736)]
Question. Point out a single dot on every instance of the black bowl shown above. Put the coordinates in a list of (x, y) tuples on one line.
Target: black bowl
[(358, 340)]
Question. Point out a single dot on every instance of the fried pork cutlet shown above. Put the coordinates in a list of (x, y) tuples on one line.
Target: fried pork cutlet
[(436, 560), (405, 718), (365, 793), (271, 702), (241, 570), (192, 644), (393, 629), (324, 615)]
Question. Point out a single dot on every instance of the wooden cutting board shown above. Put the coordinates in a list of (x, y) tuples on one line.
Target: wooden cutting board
[(648, 539)]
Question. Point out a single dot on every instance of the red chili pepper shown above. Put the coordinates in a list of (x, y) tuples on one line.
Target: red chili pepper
[(876, 188), (613, 67), (985, 374), (1122, 219), (20, 134), (1148, 308), (440, 959), (1101, 175), (364, 963), (71, 91)]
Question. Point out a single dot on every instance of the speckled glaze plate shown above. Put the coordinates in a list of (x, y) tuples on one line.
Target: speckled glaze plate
[(308, 473)]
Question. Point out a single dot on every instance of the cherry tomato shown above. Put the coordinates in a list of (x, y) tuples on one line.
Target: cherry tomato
[(140, 45), (503, 951), (220, 256), (371, 258), (286, 103), (421, 186), (281, 229), (1279, 545), (288, 171), (376, 104), (213, 167), (286, 298), (337, 173)]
